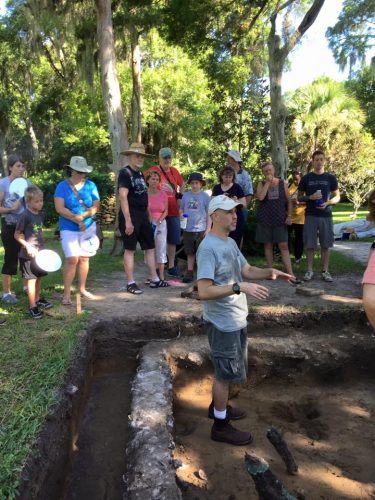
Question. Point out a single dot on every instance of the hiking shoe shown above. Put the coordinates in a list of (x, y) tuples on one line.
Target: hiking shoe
[(188, 278), (174, 272), (232, 413), (9, 298), (43, 304), (326, 276), (308, 276), (35, 312), (226, 433)]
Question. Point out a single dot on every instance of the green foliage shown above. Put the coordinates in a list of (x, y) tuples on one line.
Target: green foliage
[(353, 34), (362, 86)]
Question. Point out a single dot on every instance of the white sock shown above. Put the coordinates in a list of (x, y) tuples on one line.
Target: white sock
[(156, 279), (131, 282), (220, 414)]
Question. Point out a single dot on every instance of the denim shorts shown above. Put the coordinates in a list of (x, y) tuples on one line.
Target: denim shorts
[(228, 353), (173, 230)]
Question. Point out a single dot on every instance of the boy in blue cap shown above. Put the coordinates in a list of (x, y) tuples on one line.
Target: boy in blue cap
[(194, 205)]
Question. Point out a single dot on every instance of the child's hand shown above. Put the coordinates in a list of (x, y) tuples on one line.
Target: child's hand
[(31, 251)]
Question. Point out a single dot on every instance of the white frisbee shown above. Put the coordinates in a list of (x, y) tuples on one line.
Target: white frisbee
[(18, 186), (48, 260), (90, 244)]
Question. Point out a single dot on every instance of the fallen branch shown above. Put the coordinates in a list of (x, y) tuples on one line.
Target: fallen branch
[(276, 439), (268, 486)]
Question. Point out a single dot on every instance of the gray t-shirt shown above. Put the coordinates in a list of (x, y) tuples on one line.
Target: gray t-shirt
[(9, 199), (195, 205), (31, 225), (221, 261)]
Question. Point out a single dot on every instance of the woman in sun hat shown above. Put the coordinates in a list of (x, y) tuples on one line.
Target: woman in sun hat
[(77, 203)]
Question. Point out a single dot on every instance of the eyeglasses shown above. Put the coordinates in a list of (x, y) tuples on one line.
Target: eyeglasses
[(167, 157)]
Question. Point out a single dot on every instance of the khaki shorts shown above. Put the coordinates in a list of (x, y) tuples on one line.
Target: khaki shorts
[(228, 353)]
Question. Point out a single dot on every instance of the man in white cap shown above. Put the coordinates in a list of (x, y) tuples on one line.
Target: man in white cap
[(134, 223), (234, 160), (222, 270)]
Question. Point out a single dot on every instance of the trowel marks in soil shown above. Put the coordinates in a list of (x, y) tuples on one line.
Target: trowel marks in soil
[(328, 423)]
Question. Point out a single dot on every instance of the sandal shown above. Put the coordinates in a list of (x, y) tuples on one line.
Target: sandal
[(66, 302), (147, 281), (159, 284), (134, 289)]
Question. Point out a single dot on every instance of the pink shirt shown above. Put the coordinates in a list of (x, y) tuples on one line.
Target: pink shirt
[(157, 203)]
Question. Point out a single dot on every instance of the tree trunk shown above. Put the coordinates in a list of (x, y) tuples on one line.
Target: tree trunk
[(112, 97), (3, 154), (136, 76), (278, 109), (34, 144), (277, 56)]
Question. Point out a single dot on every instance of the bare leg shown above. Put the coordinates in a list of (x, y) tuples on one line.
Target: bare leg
[(171, 252), (190, 262), (286, 257), (69, 274), (310, 258), (83, 271), (6, 279), (151, 264), (31, 292), (161, 270), (38, 287), (220, 393), (268, 253), (129, 264), (369, 302), (324, 258)]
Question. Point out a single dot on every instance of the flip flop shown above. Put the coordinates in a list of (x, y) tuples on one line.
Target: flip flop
[(88, 295), (66, 302)]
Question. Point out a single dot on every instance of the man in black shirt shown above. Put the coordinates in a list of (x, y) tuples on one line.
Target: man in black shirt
[(134, 222)]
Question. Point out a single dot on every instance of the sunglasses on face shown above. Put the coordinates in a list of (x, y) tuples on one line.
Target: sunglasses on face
[(167, 158)]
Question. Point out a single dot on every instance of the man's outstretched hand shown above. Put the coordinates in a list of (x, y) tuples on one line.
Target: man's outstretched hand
[(259, 292), (276, 274)]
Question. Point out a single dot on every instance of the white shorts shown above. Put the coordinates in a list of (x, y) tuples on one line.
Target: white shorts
[(71, 241), (160, 238)]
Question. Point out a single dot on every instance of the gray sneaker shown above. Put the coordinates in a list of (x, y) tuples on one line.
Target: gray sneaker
[(308, 276), (9, 299), (326, 276)]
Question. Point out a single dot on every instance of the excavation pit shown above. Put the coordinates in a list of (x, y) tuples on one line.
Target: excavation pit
[(137, 425)]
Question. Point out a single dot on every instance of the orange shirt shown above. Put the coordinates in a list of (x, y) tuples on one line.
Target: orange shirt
[(298, 211), (174, 177)]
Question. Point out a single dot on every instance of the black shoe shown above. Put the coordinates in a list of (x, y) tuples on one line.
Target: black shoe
[(225, 433), (3, 322), (44, 304), (35, 312), (188, 278), (232, 413)]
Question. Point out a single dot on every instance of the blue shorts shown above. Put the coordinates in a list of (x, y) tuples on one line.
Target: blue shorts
[(228, 353), (173, 230)]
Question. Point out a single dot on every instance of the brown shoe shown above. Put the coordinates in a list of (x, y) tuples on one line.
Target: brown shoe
[(226, 433), (232, 413)]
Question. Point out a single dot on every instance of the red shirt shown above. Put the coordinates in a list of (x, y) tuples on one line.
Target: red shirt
[(172, 177)]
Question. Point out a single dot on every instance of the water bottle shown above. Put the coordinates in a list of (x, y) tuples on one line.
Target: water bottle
[(183, 221), (319, 203)]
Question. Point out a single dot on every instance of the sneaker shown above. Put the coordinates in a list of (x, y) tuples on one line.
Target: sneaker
[(188, 278), (9, 298), (326, 276), (226, 433), (43, 304), (232, 413), (35, 312), (308, 276), (173, 272), (3, 322)]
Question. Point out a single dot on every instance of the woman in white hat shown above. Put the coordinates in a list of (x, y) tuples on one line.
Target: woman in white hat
[(77, 203)]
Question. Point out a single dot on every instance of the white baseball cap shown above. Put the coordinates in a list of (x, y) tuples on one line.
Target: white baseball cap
[(233, 153), (222, 201)]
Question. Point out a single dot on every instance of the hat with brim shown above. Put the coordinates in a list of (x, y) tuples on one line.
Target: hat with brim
[(235, 155), (136, 148), (196, 176), (222, 202), (79, 164)]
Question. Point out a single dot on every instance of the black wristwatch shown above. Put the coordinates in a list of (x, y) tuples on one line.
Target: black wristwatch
[(236, 288)]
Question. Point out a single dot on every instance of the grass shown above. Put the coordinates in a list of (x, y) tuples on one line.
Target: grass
[(34, 355), (342, 212)]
